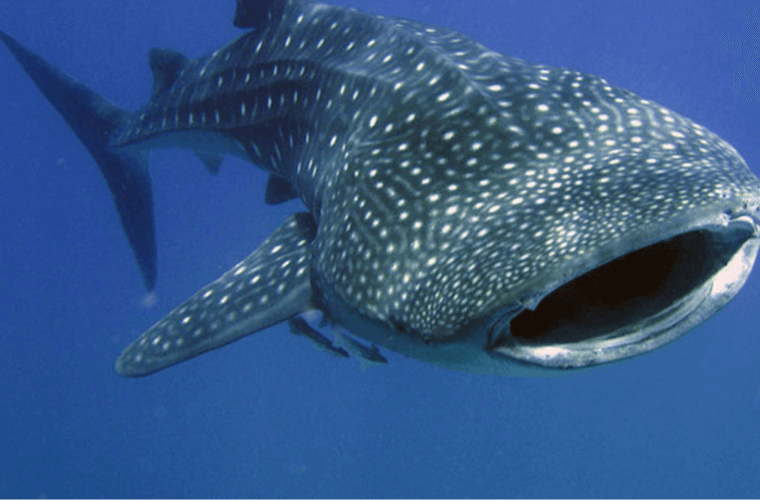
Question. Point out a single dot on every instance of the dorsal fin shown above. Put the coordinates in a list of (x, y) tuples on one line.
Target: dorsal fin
[(257, 14), (166, 66)]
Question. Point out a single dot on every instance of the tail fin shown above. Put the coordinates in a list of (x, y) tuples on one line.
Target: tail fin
[(94, 120)]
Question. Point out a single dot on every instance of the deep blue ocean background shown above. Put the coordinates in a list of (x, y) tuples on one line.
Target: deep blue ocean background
[(270, 415)]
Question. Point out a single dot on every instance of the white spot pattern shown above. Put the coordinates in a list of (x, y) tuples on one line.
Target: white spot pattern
[(202, 322), (444, 176)]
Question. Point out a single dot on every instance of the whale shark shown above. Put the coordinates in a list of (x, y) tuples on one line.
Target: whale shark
[(461, 207)]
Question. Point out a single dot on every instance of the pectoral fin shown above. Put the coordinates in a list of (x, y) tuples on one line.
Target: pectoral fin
[(270, 286)]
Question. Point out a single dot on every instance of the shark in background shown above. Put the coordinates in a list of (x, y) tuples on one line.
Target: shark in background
[(463, 207)]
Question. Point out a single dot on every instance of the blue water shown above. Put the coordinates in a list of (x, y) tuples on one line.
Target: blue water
[(270, 415)]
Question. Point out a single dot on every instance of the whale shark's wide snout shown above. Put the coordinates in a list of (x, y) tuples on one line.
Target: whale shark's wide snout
[(633, 304)]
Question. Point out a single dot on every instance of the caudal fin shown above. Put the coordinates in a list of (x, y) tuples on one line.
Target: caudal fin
[(94, 120)]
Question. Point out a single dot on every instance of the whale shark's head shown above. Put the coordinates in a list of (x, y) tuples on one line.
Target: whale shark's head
[(575, 225)]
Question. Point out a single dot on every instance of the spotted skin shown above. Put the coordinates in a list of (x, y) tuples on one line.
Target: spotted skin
[(450, 187), (272, 282), (439, 147)]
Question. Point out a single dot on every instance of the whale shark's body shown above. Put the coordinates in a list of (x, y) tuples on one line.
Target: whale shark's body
[(463, 207)]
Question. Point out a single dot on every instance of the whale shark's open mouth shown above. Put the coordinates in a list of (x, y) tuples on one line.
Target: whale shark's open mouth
[(634, 303)]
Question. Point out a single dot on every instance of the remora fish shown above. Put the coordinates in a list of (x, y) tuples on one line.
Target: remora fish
[(465, 208), (370, 355), (299, 326)]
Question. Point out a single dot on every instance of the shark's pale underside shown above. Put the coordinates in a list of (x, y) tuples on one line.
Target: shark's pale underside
[(464, 207)]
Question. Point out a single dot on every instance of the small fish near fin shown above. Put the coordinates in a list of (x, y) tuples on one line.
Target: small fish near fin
[(271, 285), (279, 190), (166, 66), (299, 326), (366, 355), (258, 14), (93, 119)]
